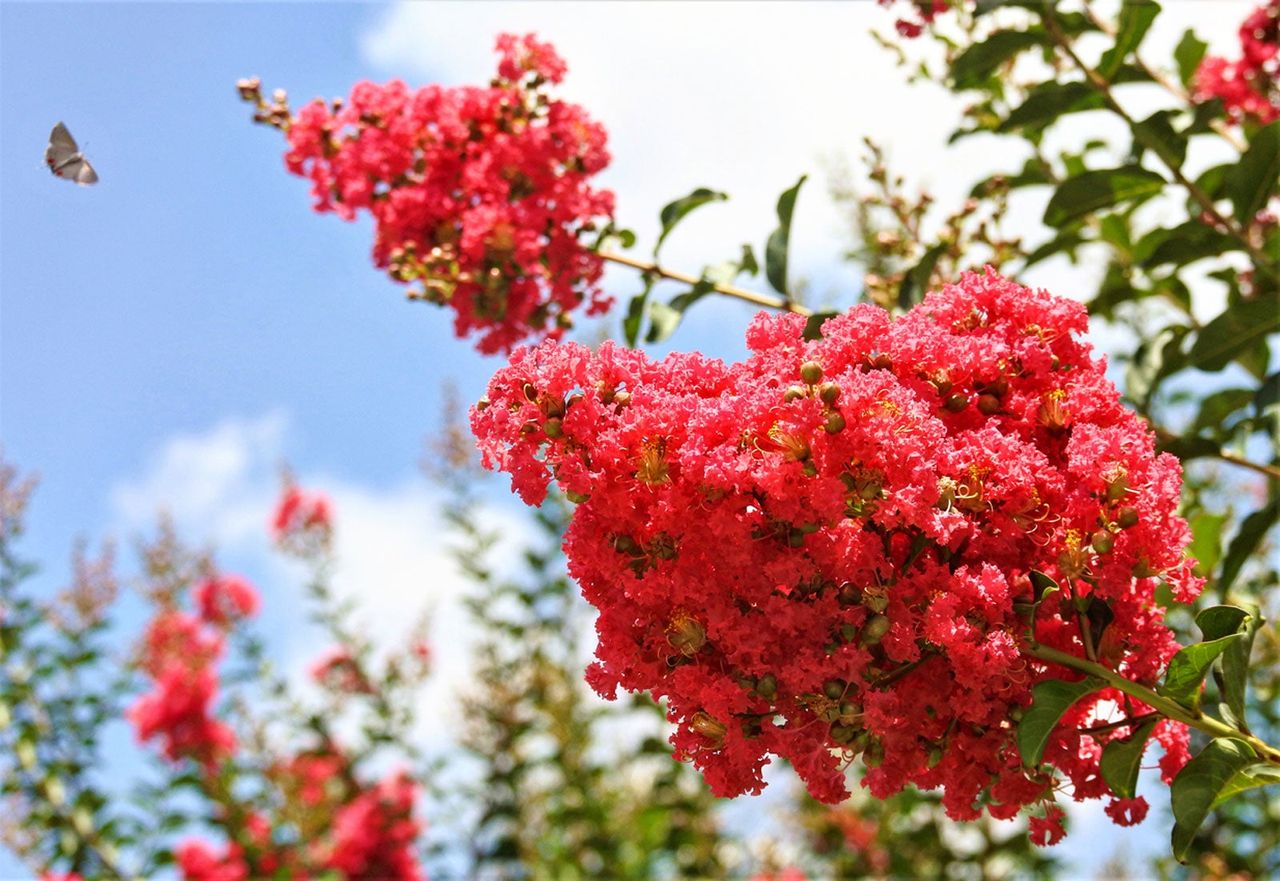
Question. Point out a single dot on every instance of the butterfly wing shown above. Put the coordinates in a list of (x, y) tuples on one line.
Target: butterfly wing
[(77, 171), (62, 147)]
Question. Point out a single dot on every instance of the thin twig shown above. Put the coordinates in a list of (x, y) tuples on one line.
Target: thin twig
[(768, 302)]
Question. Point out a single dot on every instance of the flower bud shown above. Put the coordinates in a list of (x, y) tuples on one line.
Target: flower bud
[(1102, 541), (553, 428), (988, 405), (843, 733), (1127, 517), (835, 423), (829, 392), (794, 393), (955, 403), (811, 372), (709, 728), (875, 629), (834, 688), (686, 634), (767, 686)]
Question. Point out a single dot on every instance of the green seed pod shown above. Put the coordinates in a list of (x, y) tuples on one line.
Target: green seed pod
[(834, 688)]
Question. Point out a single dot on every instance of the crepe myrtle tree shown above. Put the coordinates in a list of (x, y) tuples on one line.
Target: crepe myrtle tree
[(926, 533)]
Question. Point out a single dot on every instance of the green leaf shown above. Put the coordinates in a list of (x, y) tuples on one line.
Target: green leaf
[(1049, 701), (1195, 790), (1157, 133), (1047, 101), (1268, 394), (664, 318), (1122, 759), (1182, 244), (674, 212), (1093, 190), (1135, 20), (1215, 408), (1246, 540), (813, 327), (1232, 333), (981, 59), (1257, 175), (775, 250), (636, 310), (1217, 622), (916, 280), (1068, 240), (1189, 52), (1259, 774), (1188, 668), (1206, 540)]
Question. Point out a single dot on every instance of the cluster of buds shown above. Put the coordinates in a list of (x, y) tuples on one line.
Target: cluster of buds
[(828, 552), (920, 13), (275, 112)]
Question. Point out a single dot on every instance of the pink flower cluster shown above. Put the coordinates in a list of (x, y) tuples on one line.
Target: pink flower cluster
[(922, 13), (1249, 86), (301, 518), (480, 195), (346, 831), (180, 653), (827, 550)]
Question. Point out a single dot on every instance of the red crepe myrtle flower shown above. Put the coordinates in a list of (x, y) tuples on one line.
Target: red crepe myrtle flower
[(225, 599), (825, 551), (921, 13), (179, 654), (373, 834), (481, 195), (1047, 830), (1249, 86), (300, 513), (339, 671)]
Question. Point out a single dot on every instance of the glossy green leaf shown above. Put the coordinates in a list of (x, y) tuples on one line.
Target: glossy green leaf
[(983, 57), (1197, 787), (813, 327), (1136, 17), (1215, 622), (1268, 395), (1093, 190), (674, 212), (1206, 540), (1049, 100), (916, 280), (1188, 54), (776, 249), (1157, 134), (1257, 175), (1049, 700), (1258, 774), (1122, 759), (636, 310), (1232, 333), (1246, 540), (1188, 668)]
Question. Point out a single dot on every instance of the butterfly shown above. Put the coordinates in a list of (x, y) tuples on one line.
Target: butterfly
[(65, 160)]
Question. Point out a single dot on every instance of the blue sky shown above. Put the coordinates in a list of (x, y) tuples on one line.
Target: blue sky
[(171, 335)]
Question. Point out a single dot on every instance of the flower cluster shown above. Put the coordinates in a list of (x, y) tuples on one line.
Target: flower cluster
[(835, 547), (922, 13), (179, 654), (1249, 86), (302, 522), (339, 828), (481, 196)]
